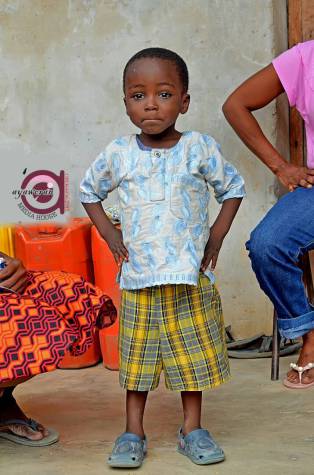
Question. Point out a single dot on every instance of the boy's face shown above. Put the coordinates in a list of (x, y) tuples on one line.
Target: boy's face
[(154, 95)]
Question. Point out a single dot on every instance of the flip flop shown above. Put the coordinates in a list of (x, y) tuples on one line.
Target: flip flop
[(300, 370), (50, 439), (260, 346), (245, 342), (234, 344)]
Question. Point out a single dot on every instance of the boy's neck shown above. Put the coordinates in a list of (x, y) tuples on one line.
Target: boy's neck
[(167, 139)]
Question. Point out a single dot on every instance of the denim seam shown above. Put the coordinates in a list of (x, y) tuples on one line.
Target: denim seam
[(296, 329), (289, 319), (303, 247)]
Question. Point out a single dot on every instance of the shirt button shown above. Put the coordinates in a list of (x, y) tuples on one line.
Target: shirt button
[(157, 154)]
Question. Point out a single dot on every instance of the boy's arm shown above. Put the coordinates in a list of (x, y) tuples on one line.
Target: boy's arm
[(229, 191), (99, 180), (218, 232), (107, 230)]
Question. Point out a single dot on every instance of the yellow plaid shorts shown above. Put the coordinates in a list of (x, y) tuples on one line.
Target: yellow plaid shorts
[(175, 328)]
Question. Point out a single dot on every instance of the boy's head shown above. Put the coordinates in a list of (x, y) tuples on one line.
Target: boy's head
[(155, 84)]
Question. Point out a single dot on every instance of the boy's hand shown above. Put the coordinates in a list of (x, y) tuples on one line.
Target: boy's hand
[(218, 231), (109, 232), (115, 242), (211, 252)]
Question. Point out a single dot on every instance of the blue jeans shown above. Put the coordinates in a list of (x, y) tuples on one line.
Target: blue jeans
[(275, 246)]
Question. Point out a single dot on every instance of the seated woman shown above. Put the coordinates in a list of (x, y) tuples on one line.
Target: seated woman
[(287, 230), (42, 315)]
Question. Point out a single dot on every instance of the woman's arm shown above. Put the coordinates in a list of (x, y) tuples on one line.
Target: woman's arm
[(255, 93)]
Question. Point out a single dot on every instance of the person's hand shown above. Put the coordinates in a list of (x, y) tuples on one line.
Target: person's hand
[(114, 240), (292, 176), (211, 251), (13, 276)]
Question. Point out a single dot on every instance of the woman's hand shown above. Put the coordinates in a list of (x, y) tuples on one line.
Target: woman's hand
[(13, 276), (292, 176)]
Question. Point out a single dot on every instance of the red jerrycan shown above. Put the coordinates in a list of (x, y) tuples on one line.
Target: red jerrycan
[(50, 246), (65, 247)]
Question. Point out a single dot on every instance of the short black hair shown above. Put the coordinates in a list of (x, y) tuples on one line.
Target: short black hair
[(167, 55)]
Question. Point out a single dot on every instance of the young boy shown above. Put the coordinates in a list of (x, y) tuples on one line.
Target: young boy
[(170, 316)]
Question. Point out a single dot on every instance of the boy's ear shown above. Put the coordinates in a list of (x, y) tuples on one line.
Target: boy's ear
[(126, 109), (185, 103)]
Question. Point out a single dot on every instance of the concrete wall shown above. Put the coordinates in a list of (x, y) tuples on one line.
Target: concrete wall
[(61, 63)]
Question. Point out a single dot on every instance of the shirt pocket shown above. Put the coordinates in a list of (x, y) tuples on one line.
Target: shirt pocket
[(186, 196)]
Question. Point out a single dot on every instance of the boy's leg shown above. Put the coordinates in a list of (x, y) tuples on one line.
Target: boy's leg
[(194, 442), (139, 370), (192, 409), (194, 359), (130, 447), (135, 406)]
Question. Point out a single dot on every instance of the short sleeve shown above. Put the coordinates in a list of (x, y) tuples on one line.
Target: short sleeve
[(289, 67), (100, 178), (221, 174)]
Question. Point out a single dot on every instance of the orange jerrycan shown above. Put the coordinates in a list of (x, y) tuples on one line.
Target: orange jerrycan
[(105, 270), (65, 247), (91, 357)]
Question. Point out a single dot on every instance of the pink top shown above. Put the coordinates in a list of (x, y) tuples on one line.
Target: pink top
[(295, 69)]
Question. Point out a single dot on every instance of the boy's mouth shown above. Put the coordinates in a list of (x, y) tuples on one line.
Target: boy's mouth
[(151, 120)]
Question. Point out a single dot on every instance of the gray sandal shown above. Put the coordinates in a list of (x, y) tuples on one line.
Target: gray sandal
[(200, 447), (50, 439), (129, 451)]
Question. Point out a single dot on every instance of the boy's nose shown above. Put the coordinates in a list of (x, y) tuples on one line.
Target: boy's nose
[(151, 105)]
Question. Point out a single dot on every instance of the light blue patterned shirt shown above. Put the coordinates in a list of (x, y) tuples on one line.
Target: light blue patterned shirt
[(163, 199)]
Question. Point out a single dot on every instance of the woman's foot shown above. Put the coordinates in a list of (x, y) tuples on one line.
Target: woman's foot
[(306, 356), (9, 410)]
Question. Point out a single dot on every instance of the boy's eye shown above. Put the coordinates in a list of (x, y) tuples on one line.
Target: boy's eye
[(165, 95), (137, 96)]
